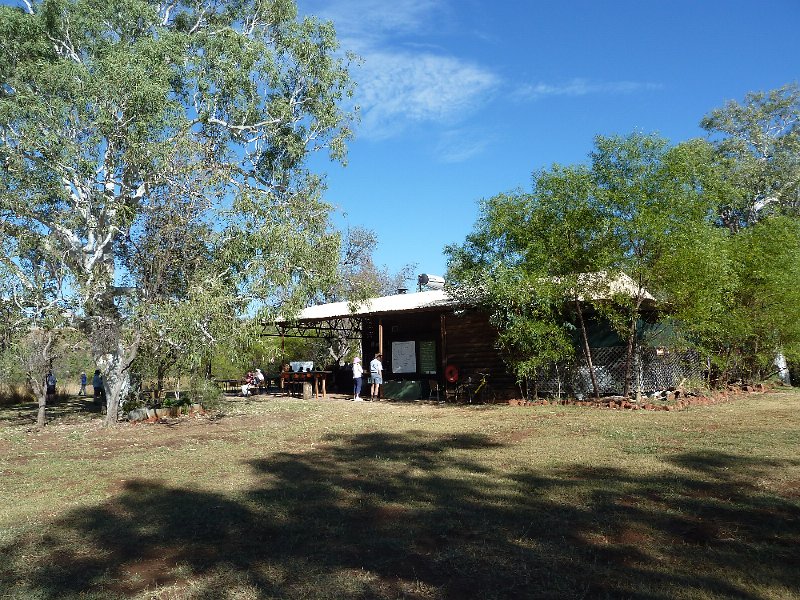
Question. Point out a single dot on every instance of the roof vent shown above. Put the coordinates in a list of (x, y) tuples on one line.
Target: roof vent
[(432, 282)]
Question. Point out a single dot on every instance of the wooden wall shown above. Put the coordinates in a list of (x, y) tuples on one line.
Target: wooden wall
[(465, 339), (470, 343)]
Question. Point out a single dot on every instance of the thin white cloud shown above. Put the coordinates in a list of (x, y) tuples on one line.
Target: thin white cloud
[(399, 90), (582, 87), (458, 145), (403, 81), (375, 18)]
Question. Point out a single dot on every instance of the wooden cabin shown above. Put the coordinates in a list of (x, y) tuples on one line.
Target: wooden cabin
[(432, 344), (422, 336)]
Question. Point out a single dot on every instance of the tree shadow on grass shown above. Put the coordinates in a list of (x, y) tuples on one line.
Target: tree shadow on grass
[(706, 531), (417, 515), (63, 408)]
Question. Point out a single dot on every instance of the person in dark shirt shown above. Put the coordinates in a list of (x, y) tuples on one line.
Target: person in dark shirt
[(97, 384)]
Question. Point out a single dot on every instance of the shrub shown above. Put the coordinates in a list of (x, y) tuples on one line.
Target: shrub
[(132, 402), (205, 392)]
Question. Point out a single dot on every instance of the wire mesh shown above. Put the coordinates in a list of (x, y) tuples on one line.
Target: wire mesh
[(652, 369)]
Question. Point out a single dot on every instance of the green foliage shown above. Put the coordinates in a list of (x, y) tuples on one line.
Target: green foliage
[(653, 212), (205, 392), (502, 267), (762, 314), (533, 342), (132, 403), (652, 195), (128, 128), (620, 215), (758, 155), (757, 164)]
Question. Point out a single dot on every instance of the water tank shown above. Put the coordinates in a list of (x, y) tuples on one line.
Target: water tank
[(432, 282)]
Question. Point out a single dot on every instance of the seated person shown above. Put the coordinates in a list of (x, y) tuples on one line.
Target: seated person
[(249, 382)]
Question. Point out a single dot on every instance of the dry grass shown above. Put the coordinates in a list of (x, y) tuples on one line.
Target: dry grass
[(280, 498), (14, 394)]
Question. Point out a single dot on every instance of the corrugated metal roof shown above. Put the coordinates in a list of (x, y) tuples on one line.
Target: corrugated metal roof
[(382, 305), (599, 285)]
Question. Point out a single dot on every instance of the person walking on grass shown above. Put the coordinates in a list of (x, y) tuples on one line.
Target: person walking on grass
[(376, 374), (83, 385), (97, 385), (358, 373)]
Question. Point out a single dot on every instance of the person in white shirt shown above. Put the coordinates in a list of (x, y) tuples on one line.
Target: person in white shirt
[(376, 374), (260, 380), (358, 372)]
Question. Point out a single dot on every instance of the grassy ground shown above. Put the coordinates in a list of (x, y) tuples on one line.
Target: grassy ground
[(282, 498)]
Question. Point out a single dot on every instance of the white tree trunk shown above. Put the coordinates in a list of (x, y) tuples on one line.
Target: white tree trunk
[(116, 379), (783, 368)]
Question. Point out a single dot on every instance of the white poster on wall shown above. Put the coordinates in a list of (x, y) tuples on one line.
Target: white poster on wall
[(404, 357)]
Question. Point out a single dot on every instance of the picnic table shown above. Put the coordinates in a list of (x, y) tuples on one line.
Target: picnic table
[(235, 385), (229, 385), (297, 379)]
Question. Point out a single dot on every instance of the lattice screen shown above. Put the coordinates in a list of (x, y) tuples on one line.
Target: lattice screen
[(658, 369)]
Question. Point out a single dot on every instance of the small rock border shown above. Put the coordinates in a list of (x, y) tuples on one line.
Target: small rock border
[(144, 415), (667, 400)]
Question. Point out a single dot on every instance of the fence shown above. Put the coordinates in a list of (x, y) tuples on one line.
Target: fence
[(653, 369)]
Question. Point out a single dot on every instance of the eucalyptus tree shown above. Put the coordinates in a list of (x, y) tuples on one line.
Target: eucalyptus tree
[(187, 305), (110, 109), (758, 145)]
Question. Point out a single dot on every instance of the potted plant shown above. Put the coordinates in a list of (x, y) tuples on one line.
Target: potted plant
[(163, 407), (172, 406)]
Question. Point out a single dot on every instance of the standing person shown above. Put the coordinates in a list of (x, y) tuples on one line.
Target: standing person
[(285, 368), (376, 373), (260, 380), (97, 384), (83, 385), (358, 373), (50, 383)]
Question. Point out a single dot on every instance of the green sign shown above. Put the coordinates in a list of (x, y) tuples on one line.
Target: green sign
[(427, 357)]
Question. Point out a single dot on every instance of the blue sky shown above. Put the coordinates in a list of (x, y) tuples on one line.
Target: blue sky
[(464, 99)]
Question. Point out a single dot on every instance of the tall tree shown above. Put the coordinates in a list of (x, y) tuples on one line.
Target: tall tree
[(36, 309), (758, 142), (757, 145), (625, 213), (654, 196), (187, 305), (570, 237), (504, 266), (109, 108), (762, 312)]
